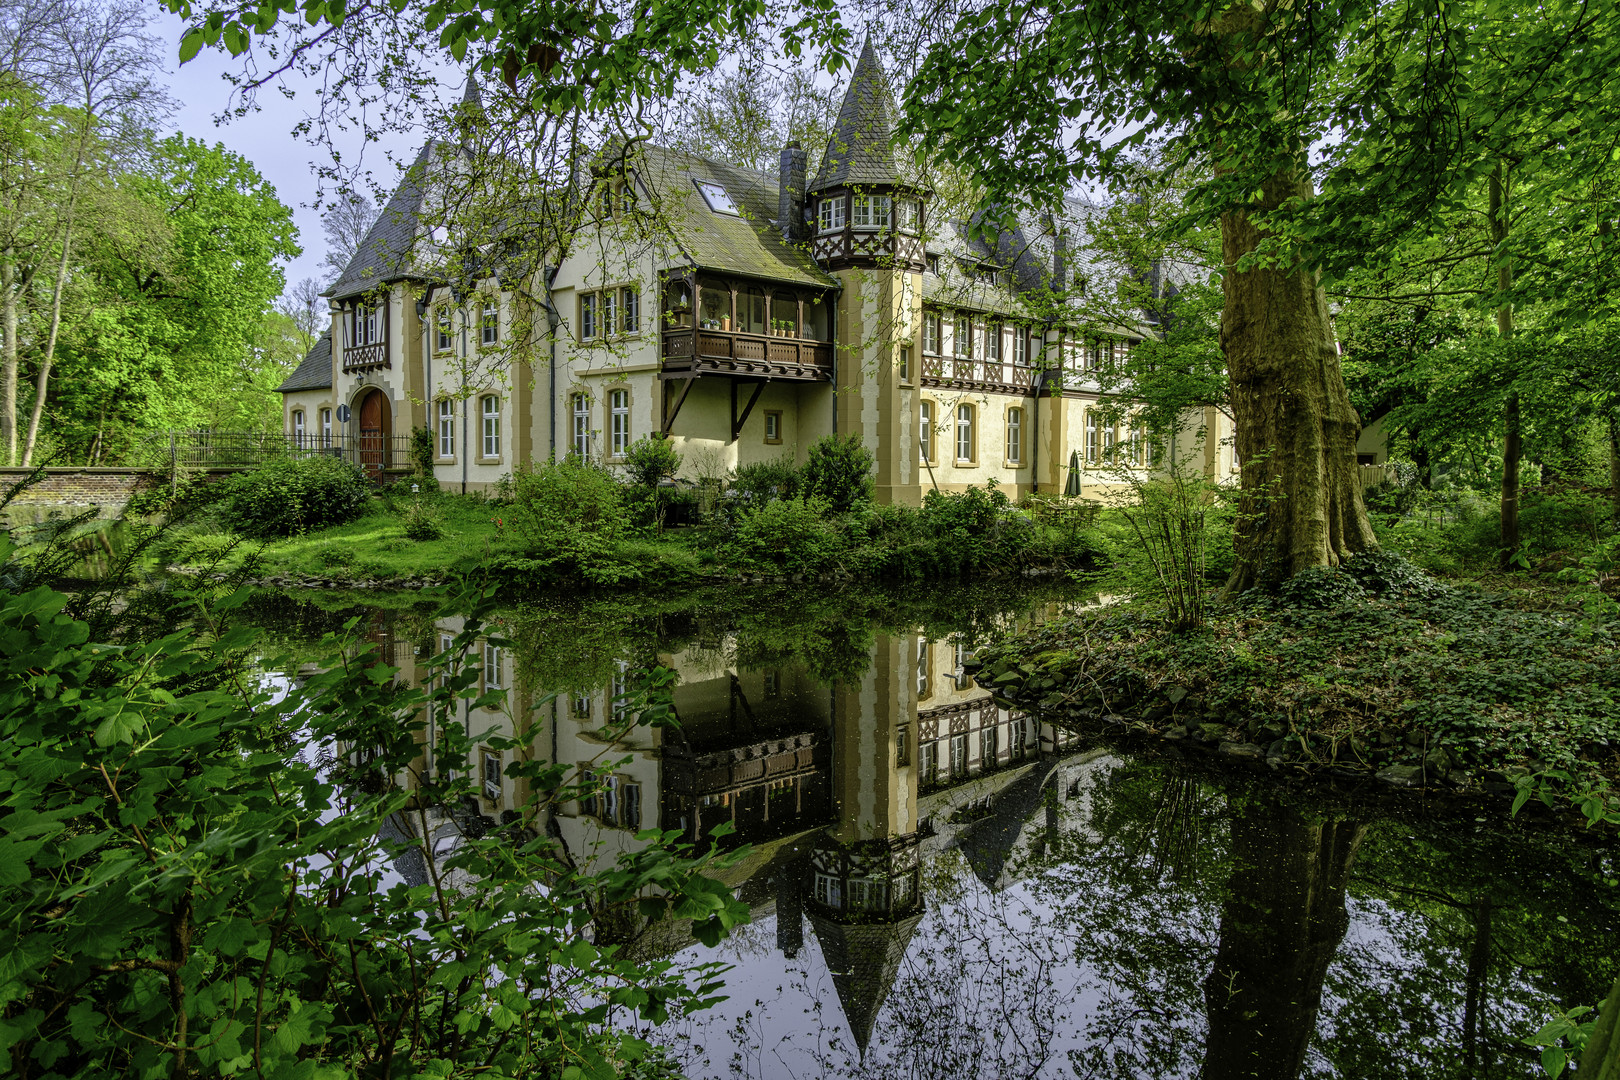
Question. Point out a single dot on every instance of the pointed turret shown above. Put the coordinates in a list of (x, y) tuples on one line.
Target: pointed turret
[(861, 150), (864, 960)]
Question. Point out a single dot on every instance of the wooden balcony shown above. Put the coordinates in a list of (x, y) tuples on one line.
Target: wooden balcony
[(365, 357), (690, 351), (960, 373)]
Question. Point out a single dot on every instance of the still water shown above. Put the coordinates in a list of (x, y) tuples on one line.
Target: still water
[(943, 888)]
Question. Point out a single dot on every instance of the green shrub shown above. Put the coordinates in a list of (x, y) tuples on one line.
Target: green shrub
[(422, 452), (651, 459), (422, 522), (296, 494), (785, 536), (765, 481), (839, 472), (570, 517)]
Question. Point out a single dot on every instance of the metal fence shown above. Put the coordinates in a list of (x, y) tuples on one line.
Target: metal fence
[(246, 449)]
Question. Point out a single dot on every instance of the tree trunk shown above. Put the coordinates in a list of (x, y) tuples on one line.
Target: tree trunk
[(1296, 430), (1601, 1058), (42, 378), (1281, 925), (1512, 439), (1479, 962), (8, 357)]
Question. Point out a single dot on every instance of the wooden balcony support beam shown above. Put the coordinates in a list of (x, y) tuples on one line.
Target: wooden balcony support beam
[(671, 413), (737, 422)]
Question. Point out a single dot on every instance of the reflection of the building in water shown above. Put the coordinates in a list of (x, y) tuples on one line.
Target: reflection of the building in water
[(838, 788)]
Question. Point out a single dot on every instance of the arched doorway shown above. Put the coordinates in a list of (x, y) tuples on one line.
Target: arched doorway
[(376, 425)]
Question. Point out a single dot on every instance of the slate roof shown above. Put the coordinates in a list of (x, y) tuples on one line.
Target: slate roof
[(385, 253), (864, 960), (861, 150), (314, 372), (751, 244)]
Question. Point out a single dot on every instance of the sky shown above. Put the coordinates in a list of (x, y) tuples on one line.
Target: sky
[(265, 138)]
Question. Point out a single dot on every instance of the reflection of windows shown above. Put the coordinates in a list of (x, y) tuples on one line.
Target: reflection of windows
[(621, 690), (868, 894), (580, 707), (922, 669), (492, 667), (902, 745), (959, 666), (929, 772), (1016, 742), (828, 892), (773, 684), (987, 747), (615, 802), (958, 756)]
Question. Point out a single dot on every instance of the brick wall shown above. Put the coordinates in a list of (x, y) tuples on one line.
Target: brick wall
[(93, 487)]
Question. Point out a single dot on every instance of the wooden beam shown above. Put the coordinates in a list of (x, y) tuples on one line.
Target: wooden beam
[(737, 422), (671, 414)]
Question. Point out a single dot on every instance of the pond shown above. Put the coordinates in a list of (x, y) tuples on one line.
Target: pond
[(943, 888)]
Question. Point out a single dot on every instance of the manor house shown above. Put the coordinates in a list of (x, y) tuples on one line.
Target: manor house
[(756, 314)]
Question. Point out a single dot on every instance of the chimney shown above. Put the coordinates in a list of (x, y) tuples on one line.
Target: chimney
[(790, 201), (1060, 262)]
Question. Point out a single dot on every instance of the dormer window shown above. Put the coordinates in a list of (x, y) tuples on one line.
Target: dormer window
[(933, 265), (490, 326), (872, 211), (985, 275), (717, 198), (441, 325), (832, 214)]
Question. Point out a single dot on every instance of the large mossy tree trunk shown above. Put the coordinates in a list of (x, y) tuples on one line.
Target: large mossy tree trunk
[(1281, 925), (1296, 430)]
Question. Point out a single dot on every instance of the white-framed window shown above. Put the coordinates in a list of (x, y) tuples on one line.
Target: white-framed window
[(489, 325), (442, 339), (447, 427), (868, 894), (908, 215), (589, 319), (905, 363), (962, 341), (925, 432), (629, 310), (619, 422), (928, 771), (773, 426), (992, 343), (581, 432), (490, 409), (1108, 442), (492, 667), (492, 776), (987, 746), (871, 211), (931, 332), (964, 434), (1020, 345), (326, 427), (366, 328), (902, 745), (1093, 436), (829, 892), (298, 427), (958, 755), (609, 308), (579, 706), (932, 263), (985, 275), (923, 672), (832, 214), (1015, 435)]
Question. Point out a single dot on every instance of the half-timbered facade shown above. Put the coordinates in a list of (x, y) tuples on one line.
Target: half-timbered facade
[(744, 316)]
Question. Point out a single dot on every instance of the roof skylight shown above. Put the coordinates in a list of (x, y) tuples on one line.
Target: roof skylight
[(716, 197)]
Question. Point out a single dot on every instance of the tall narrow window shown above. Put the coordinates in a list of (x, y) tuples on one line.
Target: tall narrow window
[(905, 363), (1108, 442), (931, 333), (1093, 435), (490, 324), (447, 428), (1138, 440), (832, 214), (925, 431), (923, 689), (902, 745), (492, 667), (609, 313), (964, 434), (1094, 356), (1020, 345), (908, 215), (582, 426), (928, 771), (992, 343), (630, 310), (619, 429), (964, 337), (987, 747), (773, 427), (441, 330), (326, 427), (958, 755), (588, 320), (491, 410), (1015, 435), (298, 427)]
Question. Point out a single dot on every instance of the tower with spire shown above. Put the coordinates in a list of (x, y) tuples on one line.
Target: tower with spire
[(868, 223)]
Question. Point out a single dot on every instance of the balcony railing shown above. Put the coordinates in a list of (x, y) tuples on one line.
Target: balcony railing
[(360, 357), (963, 373), (695, 350)]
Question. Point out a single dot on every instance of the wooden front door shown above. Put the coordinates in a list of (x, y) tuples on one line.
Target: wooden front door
[(372, 424)]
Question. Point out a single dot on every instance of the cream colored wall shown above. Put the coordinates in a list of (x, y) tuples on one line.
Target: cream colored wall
[(312, 402), (468, 372)]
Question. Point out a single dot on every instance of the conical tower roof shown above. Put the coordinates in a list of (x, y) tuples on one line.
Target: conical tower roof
[(864, 959), (861, 150)]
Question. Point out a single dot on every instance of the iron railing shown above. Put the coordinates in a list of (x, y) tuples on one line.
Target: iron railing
[(246, 449)]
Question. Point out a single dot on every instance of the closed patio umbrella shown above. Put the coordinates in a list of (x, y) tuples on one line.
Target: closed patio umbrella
[(1072, 488)]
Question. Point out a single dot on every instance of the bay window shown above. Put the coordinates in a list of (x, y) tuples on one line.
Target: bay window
[(832, 214)]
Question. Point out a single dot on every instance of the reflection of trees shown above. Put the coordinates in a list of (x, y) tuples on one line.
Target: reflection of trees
[(1281, 925)]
